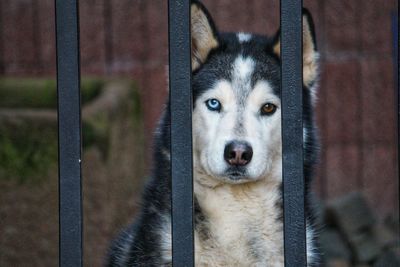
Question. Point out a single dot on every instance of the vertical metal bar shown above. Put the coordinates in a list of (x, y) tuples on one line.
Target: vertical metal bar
[(292, 133), (396, 72), (181, 132), (69, 133)]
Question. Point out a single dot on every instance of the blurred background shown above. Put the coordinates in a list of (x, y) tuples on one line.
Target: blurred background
[(124, 57)]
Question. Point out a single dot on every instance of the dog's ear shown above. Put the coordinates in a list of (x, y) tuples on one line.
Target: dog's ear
[(310, 54), (204, 34)]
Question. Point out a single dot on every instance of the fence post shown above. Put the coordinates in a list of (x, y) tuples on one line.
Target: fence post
[(181, 132), (69, 133), (292, 133)]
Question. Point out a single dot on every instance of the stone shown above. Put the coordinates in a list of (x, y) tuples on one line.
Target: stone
[(384, 236), (334, 246), (392, 222), (351, 214), (387, 259), (365, 247), (337, 263), (396, 249)]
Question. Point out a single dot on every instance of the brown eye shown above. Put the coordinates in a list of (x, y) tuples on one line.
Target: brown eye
[(268, 109)]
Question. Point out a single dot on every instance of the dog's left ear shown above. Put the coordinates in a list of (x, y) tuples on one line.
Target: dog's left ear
[(310, 54), (204, 34)]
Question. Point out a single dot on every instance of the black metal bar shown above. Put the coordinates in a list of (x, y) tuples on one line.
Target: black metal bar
[(396, 72), (69, 133), (292, 133), (181, 132)]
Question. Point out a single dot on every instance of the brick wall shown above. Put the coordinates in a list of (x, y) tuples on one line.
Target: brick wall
[(128, 38)]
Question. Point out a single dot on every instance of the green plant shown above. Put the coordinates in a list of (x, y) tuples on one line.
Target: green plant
[(27, 158), (41, 93)]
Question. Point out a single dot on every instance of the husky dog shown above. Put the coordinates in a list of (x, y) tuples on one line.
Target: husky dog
[(237, 155)]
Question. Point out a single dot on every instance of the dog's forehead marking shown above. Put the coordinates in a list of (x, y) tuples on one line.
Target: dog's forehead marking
[(243, 69), (244, 37), (242, 72)]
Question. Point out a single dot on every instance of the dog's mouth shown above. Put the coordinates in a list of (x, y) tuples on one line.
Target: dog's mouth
[(236, 175)]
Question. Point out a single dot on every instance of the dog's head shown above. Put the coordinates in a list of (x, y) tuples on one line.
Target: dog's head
[(237, 106)]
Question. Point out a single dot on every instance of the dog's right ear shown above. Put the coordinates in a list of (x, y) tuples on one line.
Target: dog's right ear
[(310, 54), (204, 34)]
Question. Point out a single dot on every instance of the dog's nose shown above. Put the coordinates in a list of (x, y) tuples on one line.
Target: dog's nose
[(238, 153)]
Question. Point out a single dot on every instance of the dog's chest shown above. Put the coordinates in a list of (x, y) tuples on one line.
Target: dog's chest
[(241, 226)]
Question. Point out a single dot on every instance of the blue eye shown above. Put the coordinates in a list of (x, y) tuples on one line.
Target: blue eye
[(213, 104)]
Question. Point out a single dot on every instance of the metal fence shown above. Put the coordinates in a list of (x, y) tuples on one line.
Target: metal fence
[(69, 116), (69, 133)]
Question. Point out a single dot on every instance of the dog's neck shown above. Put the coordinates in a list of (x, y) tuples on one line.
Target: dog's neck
[(206, 187), (236, 215), (214, 195)]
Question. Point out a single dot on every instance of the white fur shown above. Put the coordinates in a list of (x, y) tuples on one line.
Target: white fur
[(311, 255), (243, 68), (242, 217), (244, 37), (305, 137), (261, 132), (166, 240), (243, 225)]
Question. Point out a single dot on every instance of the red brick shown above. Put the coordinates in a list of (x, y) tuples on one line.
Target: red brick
[(255, 16), (153, 96), (92, 41), (380, 178), (2, 40), (19, 33), (381, 6), (342, 27), (266, 17), (47, 36), (211, 6), (342, 169), (229, 15), (128, 44), (156, 29), (250, 18), (222, 16), (376, 26), (342, 101), (378, 101)]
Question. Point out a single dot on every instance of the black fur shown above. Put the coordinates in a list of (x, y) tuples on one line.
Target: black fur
[(139, 244)]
